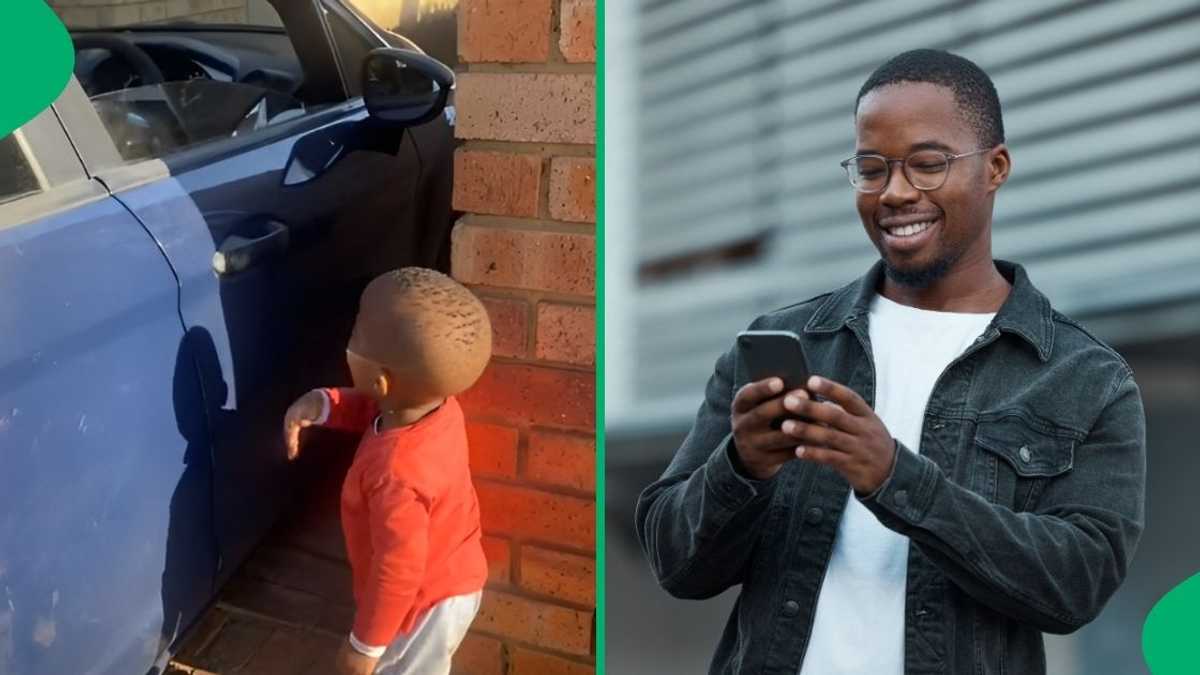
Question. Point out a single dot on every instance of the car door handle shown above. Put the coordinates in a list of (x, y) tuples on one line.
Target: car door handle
[(238, 252)]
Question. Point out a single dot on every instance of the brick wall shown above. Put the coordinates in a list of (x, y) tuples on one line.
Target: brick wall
[(525, 176), (102, 13)]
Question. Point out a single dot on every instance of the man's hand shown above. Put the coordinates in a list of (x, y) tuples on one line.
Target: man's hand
[(844, 433), (303, 413), (350, 662), (762, 449)]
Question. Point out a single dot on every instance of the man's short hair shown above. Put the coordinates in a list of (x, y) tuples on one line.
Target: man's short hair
[(973, 89)]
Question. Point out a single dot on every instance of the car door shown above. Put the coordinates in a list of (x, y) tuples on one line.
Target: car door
[(106, 542), (273, 231)]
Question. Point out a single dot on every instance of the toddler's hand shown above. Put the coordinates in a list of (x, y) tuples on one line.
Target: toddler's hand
[(350, 662), (303, 413)]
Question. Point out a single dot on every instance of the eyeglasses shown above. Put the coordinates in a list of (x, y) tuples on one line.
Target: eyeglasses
[(924, 169)]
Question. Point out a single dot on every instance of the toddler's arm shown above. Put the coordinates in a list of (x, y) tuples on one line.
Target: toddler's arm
[(400, 541), (348, 409), (344, 409)]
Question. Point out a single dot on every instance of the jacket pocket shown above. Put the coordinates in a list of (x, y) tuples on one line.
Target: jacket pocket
[(1020, 457)]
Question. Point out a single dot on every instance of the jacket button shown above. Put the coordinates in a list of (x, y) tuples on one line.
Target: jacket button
[(813, 515), (900, 498), (1024, 452), (791, 608)]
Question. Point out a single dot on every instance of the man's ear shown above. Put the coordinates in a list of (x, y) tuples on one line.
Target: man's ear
[(999, 167)]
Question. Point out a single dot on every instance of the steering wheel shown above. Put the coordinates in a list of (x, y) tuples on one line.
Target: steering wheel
[(130, 53)]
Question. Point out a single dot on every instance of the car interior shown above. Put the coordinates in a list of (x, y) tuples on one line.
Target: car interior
[(161, 88), (108, 61)]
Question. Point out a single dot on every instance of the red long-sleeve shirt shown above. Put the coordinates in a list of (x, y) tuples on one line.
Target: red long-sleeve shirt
[(410, 516)]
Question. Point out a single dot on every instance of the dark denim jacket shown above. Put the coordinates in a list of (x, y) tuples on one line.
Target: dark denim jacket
[(1023, 509)]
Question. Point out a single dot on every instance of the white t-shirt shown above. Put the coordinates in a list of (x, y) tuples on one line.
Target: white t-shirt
[(859, 622)]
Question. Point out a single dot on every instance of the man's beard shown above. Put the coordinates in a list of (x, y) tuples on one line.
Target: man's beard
[(923, 277)]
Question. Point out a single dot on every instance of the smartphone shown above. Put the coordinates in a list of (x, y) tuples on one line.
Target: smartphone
[(773, 353)]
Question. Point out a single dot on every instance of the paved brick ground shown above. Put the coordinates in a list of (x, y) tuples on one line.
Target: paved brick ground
[(287, 609)]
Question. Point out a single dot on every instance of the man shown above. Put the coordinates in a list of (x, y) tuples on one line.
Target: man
[(968, 470)]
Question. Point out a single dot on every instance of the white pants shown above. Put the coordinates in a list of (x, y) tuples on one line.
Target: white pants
[(428, 649)]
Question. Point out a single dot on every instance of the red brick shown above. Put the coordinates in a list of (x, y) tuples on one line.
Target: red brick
[(499, 556), (577, 38), (527, 259), (493, 449), (510, 325), (514, 511), (529, 662), (562, 459), (479, 655), (566, 333), (513, 31), (539, 623), (561, 575), (573, 189), (524, 394), (526, 107), (497, 183)]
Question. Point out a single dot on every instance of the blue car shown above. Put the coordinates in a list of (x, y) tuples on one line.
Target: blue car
[(183, 237)]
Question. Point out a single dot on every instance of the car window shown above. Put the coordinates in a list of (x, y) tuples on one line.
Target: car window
[(18, 176), (167, 76), (157, 120)]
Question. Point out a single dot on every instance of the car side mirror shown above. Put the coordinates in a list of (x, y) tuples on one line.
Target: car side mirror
[(404, 87)]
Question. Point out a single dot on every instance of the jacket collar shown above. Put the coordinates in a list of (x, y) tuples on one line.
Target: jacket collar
[(1026, 313)]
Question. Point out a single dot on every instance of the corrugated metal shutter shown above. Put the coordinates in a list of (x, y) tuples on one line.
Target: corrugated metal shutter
[(745, 109)]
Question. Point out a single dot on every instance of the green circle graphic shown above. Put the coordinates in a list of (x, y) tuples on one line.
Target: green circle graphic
[(36, 60), (1169, 642)]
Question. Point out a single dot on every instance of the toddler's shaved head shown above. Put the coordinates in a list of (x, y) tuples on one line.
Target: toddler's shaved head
[(425, 327)]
